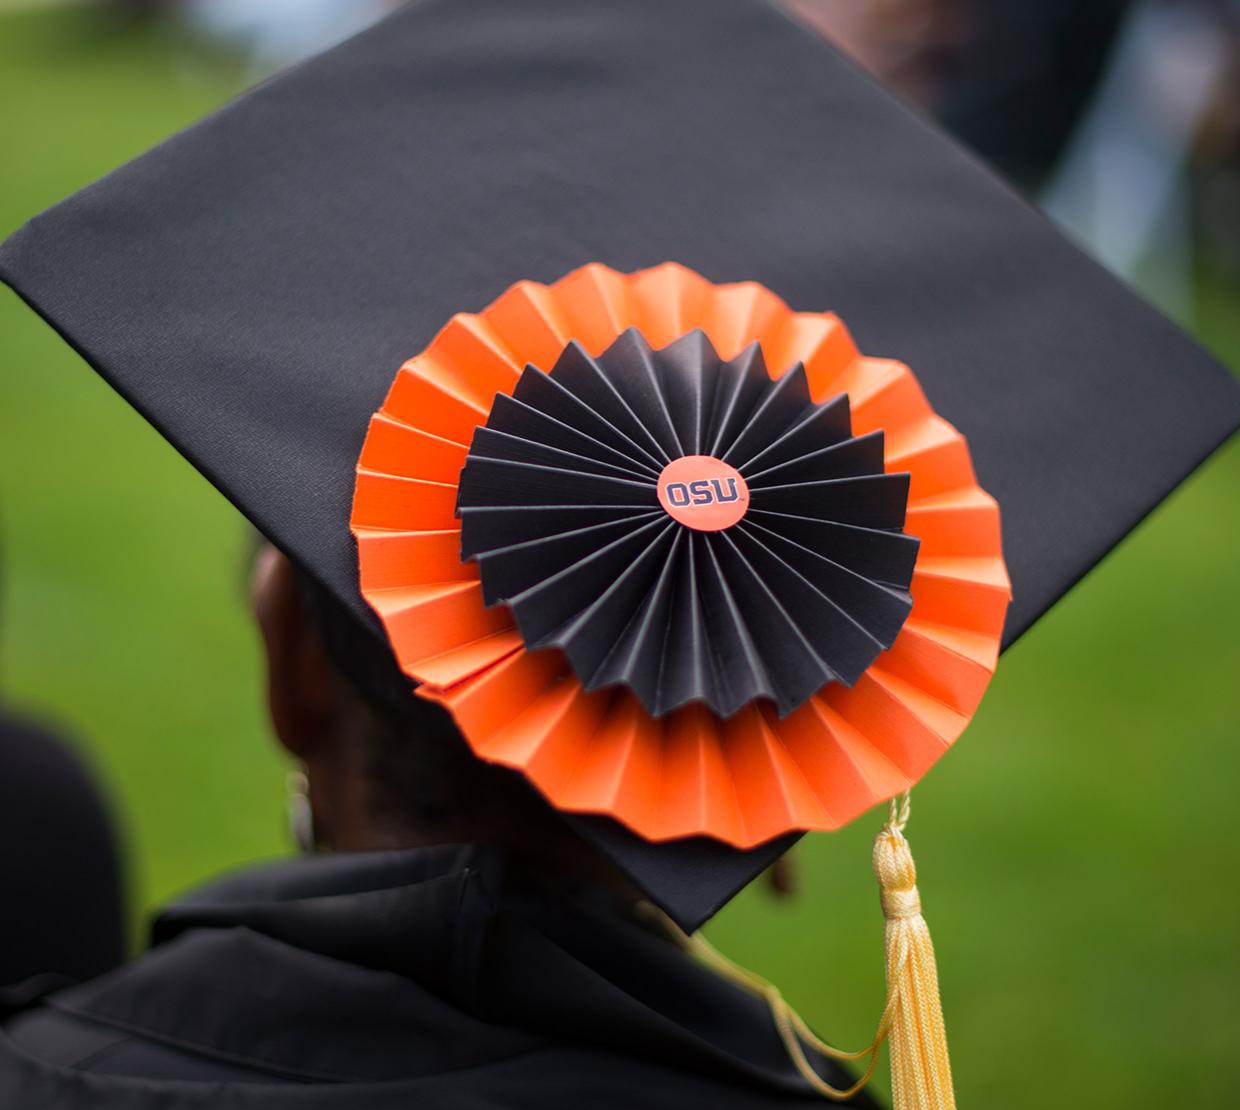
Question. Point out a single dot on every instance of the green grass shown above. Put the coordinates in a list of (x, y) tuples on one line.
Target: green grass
[(1077, 851), (123, 607)]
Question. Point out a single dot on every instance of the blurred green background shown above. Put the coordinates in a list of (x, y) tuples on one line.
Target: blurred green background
[(1078, 851)]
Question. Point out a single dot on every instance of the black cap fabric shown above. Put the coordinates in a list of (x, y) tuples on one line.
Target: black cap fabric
[(252, 284)]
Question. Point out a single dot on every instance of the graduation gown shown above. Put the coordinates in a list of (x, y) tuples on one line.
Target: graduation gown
[(434, 977)]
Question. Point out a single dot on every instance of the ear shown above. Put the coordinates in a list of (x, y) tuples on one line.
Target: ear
[(301, 691)]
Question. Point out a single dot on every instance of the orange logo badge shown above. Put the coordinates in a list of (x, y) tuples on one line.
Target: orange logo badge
[(703, 493)]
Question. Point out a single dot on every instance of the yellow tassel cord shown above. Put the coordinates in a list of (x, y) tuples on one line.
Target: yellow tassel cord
[(921, 1071), (921, 1074)]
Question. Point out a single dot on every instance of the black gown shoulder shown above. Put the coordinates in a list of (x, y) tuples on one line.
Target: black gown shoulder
[(430, 978)]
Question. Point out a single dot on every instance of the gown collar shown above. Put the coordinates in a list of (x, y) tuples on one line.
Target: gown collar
[(418, 962)]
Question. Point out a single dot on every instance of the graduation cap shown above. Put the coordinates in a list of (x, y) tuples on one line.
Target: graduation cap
[(675, 381)]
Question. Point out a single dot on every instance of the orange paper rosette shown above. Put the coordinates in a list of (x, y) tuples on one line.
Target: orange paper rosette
[(751, 776)]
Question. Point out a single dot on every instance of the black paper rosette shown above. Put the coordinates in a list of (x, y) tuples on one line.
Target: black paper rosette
[(559, 502)]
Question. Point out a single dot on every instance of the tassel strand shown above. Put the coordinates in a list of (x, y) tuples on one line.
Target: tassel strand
[(921, 1071), (921, 1074)]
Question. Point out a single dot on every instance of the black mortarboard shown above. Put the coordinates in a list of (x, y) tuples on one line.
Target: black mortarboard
[(253, 284)]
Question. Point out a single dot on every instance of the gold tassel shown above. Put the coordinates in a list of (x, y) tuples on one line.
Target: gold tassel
[(921, 1072)]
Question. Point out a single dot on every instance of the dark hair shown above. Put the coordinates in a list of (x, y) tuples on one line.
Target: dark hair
[(421, 768)]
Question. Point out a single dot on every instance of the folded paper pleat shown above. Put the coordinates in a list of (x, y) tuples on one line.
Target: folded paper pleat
[(447, 574)]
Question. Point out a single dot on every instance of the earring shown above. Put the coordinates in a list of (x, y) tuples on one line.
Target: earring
[(300, 814)]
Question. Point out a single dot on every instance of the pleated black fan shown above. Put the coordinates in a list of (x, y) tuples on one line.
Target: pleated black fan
[(559, 505)]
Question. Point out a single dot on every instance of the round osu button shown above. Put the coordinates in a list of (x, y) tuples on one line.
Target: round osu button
[(703, 493)]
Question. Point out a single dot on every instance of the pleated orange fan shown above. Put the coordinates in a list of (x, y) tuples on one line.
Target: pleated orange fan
[(681, 555)]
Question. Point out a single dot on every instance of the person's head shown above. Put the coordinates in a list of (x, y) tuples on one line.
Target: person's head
[(386, 769)]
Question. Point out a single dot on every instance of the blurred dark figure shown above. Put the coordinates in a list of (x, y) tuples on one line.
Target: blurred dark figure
[(1033, 68), (1118, 116), (1010, 78), (59, 873), (61, 906)]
